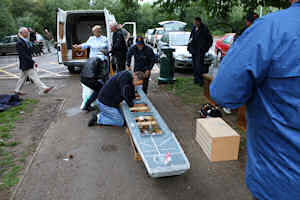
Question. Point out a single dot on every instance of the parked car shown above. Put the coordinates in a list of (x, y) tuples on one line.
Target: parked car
[(74, 27), (223, 45), (148, 35), (158, 33), (8, 45), (182, 58), (173, 26)]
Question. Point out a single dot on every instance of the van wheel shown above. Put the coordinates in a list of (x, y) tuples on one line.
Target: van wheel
[(72, 69)]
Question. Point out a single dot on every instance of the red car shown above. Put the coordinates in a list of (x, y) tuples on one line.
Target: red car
[(223, 45)]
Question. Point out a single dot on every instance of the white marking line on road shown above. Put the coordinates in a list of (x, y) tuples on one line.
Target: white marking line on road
[(8, 73), (9, 66), (42, 69)]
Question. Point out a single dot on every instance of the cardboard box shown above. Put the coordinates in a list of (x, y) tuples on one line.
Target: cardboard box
[(217, 139)]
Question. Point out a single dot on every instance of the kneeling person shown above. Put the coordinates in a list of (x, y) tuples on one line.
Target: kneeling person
[(120, 87), (93, 75)]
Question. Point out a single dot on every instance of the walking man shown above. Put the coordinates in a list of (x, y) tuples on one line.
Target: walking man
[(119, 47), (262, 70), (120, 87), (144, 60), (27, 64), (200, 42)]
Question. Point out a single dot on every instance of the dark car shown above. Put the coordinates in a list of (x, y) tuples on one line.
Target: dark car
[(8, 45)]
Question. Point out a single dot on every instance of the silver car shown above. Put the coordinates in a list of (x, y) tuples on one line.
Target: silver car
[(182, 58), (8, 45)]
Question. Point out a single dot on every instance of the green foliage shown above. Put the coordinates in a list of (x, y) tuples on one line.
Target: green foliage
[(7, 23)]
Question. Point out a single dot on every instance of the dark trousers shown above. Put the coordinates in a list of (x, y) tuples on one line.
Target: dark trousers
[(146, 84), (121, 62), (198, 67), (95, 85)]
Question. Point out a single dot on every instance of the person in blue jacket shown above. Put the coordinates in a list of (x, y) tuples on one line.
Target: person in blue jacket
[(262, 70)]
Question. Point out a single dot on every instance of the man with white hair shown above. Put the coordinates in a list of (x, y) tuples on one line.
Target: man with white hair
[(27, 64), (262, 70)]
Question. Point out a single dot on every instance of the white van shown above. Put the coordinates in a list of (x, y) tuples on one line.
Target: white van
[(75, 27)]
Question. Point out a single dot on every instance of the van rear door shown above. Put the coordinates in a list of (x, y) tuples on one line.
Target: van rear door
[(131, 28), (61, 16)]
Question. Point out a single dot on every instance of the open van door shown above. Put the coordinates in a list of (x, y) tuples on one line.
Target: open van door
[(131, 28), (61, 16)]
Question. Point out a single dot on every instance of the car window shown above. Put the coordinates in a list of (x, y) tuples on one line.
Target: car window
[(160, 32), (6, 40), (179, 39), (228, 39), (174, 27), (165, 38), (14, 39)]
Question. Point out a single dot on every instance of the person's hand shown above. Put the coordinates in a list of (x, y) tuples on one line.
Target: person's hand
[(129, 68), (35, 65), (147, 73)]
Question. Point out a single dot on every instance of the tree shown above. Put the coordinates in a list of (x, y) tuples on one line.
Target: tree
[(7, 22)]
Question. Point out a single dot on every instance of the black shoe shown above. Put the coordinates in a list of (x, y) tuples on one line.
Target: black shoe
[(201, 84), (88, 108), (93, 121)]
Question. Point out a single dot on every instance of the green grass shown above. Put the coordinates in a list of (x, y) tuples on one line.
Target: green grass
[(188, 92), (9, 168)]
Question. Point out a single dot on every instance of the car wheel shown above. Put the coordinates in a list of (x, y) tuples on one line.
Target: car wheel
[(218, 58), (72, 69)]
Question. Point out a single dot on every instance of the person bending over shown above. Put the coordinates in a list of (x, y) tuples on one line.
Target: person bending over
[(93, 75), (120, 87)]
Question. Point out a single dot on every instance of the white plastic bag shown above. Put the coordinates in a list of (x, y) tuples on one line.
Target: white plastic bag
[(86, 93)]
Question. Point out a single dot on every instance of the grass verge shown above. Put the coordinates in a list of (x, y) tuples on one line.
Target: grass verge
[(10, 166)]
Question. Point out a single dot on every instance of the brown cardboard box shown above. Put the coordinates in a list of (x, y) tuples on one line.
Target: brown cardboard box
[(217, 139)]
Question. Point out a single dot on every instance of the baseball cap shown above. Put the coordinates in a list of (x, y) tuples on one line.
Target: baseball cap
[(140, 40)]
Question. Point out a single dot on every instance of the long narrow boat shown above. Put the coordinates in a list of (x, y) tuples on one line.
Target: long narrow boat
[(155, 142)]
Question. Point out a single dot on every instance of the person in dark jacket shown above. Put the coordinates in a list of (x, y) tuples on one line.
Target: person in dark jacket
[(200, 42), (119, 47), (93, 75), (144, 60), (251, 17), (27, 64), (120, 87)]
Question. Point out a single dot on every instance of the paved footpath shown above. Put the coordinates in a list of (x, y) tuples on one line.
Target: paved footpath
[(103, 168)]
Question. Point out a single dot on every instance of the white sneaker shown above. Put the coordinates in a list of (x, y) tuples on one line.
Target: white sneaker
[(227, 111)]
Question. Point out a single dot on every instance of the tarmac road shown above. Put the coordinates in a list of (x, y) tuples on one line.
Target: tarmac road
[(48, 67), (103, 168)]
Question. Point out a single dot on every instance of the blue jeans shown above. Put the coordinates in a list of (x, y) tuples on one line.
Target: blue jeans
[(109, 115)]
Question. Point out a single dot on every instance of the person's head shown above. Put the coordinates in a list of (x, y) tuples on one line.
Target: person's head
[(114, 27), (46, 30), (23, 31), (138, 78), (197, 21), (140, 44), (251, 17), (97, 30)]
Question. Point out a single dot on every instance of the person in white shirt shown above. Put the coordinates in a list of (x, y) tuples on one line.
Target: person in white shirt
[(98, 44)]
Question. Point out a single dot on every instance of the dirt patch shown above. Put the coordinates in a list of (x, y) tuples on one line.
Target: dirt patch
[(28, 133), (189, 97)]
